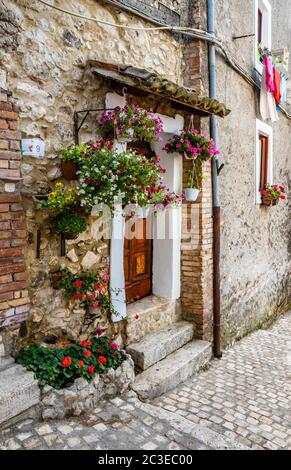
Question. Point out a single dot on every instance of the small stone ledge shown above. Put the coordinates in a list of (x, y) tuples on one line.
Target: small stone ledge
[(83, 395)]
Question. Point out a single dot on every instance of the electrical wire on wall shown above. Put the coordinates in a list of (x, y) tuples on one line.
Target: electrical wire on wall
[(186, 31)]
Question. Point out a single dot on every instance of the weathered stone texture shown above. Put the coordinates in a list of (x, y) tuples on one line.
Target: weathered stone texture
[(255, 264), (47, 75)]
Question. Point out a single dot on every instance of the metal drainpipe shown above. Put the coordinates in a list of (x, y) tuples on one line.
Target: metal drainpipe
[(215, 188)]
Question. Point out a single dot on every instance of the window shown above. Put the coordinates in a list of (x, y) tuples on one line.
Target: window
[(263, 22), (264, 157)]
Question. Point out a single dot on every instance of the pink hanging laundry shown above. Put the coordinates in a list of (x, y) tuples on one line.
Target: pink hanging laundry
[(269, 74)]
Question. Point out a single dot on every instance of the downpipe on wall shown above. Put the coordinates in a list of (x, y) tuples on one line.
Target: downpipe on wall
[(215, 188)]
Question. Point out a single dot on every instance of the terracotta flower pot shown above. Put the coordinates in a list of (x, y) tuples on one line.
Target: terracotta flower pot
[(69, 170)]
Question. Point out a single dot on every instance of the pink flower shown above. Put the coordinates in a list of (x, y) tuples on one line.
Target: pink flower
[(113, 346), (100, 331), (96, 304), (106, 277)]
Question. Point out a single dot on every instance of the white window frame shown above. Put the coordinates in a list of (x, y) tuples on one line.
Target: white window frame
[(263, 128), (266, 9)]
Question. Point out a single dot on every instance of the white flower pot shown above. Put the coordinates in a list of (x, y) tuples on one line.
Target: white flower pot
[(191, 194)]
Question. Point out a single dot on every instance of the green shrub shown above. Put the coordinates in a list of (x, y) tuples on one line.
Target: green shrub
[(69, 224)]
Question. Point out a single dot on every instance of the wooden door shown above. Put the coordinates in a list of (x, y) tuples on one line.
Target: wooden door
[(137, 260), (138, 250)]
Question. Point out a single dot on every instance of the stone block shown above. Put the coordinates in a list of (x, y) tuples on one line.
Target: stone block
[(156, 346), (174, 369), (19, 391)]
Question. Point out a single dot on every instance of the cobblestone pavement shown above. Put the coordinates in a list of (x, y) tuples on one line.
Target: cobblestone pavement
[(246, 395), (242, 400)]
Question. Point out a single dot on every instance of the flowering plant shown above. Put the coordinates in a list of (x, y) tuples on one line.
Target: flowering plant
[(74, 153), (193, 145), (271, 194), (60, 199), (91, 289), (107, 174), (59, 367), (130, 123)]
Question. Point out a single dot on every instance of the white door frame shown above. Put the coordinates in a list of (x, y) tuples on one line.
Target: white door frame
[(166, 271)]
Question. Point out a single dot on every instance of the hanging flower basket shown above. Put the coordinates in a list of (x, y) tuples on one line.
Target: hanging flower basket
[(269, 202), (191, 194), (69, 170)]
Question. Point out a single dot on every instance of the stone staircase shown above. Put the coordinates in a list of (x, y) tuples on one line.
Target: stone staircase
[(19, 392), (162, 346)]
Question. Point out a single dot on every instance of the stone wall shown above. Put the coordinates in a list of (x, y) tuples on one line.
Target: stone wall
[(255, 264), (44, 54)]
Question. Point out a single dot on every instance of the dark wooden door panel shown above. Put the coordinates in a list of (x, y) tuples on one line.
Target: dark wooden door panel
[(137, 262)]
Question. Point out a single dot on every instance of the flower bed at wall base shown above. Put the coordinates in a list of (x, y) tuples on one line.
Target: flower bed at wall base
[(60, 366)]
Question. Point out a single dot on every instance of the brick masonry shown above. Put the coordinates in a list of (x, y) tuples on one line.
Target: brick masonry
[(14, 299), (197, 226)]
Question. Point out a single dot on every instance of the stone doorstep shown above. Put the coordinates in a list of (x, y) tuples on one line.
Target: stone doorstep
[(19, 392), (156, 346), (143, 306), (152, 313), (174, 369)]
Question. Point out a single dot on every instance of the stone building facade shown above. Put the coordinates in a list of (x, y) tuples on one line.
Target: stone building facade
[(43, 63)]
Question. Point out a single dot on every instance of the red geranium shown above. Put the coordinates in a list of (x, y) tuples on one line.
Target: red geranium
[(83, 343), (78, 283), (102, 359), (66, 362), (76, 296), (90, 296), (99, 287), (87, 353), (81, 363), (91, 369), (65, 343)]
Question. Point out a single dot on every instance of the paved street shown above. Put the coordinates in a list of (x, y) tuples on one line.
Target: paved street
[(240, 401)]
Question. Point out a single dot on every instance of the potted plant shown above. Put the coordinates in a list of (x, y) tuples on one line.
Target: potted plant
[(63, 203), (271, 194), (194, 183), (192, 145), (130, 124), (108, 174), (69, 224), (71, 158)]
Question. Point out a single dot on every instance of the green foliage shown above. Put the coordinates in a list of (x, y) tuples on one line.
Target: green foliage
[(92, 289), (76, 153), (69, 224), (195, 176), (59, 367)]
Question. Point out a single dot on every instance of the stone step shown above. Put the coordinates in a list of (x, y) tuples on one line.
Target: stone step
[(6, 362), (19, 392), (154, 347), (149, 315), (174, 369)]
